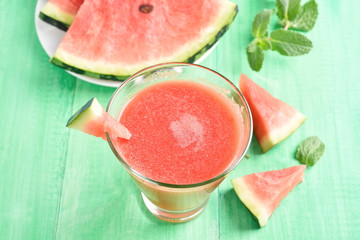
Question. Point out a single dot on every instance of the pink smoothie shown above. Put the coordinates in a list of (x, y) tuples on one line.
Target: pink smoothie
[(182, 132)]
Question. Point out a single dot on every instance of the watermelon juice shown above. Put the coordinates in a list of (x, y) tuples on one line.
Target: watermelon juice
[(186, 136), (182, 132)]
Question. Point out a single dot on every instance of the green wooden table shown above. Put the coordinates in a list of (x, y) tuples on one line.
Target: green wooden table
[(62, 184)]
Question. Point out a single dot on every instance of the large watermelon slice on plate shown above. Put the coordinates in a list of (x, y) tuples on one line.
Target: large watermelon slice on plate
[(92, 119), (112, 39), (262, 192), (274, 120), (60, 13)]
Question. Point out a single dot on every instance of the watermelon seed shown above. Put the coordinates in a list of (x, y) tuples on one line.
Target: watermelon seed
[(146, 8)]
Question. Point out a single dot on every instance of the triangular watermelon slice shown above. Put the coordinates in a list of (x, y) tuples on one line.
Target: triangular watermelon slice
[(60, 13), (274, 120), (92, 119), (112, 39), (262, 192)]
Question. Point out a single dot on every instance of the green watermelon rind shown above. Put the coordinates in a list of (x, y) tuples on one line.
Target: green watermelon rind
[(61, 64), (91, 110), (54, 22), (278, 135), (190, 55), (250, 201), (52, 15)]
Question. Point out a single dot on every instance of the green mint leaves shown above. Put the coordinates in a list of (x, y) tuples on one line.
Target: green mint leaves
[(261, 23), (287, 9), (306, 18), (255, 55), (310, 151), (255, 50), (287, 42)]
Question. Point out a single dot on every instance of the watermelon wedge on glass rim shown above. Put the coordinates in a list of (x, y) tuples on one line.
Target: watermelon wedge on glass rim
[(92, 119), (274, 120), (60, 13), (113, 39)]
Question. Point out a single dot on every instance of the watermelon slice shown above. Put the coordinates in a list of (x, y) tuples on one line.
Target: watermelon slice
[(60, 13), (112, 39), (274, 120), (92, 119), (262, 192)]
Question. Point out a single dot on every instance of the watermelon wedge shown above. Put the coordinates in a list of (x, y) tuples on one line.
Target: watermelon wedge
[(112, 39), (274, 120), (262, 192), (92, 119), (60, 13)]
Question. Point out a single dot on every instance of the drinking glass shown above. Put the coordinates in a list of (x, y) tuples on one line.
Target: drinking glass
[(172, 202)]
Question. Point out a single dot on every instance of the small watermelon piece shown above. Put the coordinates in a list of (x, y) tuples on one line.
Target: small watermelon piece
[(60, 13), (274, 120), (112, 39), (262, 192), (92, 119)]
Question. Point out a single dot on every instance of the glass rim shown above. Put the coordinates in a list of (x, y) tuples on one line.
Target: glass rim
[(169, 185)]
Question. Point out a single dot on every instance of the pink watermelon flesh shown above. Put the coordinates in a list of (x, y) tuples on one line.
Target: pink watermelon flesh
[(274, 120), (93, 32), (262, 192), (117, 38), (92, 119), (105, 123)]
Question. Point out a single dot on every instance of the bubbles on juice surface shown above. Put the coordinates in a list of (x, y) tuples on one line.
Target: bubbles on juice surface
[(187, 130)]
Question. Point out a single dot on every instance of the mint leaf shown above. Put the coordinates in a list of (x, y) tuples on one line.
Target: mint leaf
[(287, 9), (310, 151), (290, 43), (306, 18), (255, 55), (261, 23), (264, 43)]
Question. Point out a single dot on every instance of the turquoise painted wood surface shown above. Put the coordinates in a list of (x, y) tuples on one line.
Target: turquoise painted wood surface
[(62, 184)]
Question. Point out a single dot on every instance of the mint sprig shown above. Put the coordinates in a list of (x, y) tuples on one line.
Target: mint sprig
[(310, 151), (287, 42)]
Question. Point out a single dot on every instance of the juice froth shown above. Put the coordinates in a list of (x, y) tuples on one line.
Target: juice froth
[(182, 132)]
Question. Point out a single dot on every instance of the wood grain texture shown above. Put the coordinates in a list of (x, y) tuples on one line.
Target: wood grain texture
[(62, 184), (35, 99)]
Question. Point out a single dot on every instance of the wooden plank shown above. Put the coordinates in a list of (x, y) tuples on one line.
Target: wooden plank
[(35, 97)]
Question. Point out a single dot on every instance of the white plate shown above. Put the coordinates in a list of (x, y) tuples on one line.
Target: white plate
[(50, 38)]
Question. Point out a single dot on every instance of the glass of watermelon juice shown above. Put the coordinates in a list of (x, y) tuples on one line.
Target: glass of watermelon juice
[(190, 127)]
